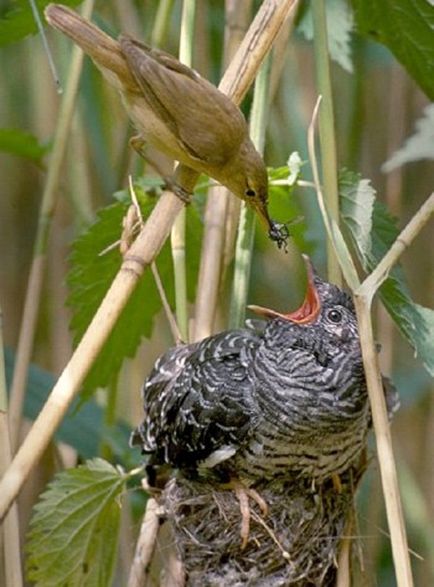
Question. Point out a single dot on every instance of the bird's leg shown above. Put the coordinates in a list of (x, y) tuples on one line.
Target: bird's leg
[(337, 483), (243, 493), (138, 144)]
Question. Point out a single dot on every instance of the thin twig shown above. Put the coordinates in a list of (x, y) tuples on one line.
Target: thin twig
[(326, 129), (383, 438), (210, 262), (176, 333), (145, 544), (10, 530), (402, 242), (343, 577), (50, 59), (178, 233), (344, 257)]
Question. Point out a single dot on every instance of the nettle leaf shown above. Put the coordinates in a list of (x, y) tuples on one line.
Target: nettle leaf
[(18, 21), (23, 144), (91, 274), (414, 321), (348, 268), (339, 29), (406, 28), (74, 531), (419, 146), (359, 197)]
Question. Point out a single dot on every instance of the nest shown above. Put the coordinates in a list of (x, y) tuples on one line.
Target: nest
[(296, 544)]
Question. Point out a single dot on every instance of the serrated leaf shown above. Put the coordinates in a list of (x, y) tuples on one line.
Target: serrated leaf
[(419, 146), (406, 28), (91, 275), (74, 531), (414, 321), (339, 28), (89, 418), (359, 196), (345, 259), (23, 144), (18, 21)]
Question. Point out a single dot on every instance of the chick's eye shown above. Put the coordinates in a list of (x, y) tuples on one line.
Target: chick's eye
[(334, 316), (250, 193)]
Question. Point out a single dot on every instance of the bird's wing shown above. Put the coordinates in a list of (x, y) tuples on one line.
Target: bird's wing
[(192, 108), (203, 407)]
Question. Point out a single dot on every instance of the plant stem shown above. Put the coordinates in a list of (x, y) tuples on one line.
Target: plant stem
[(145, 545), (161, 22), (402, 242), (10, 529), (326, 129), (219, 224), (49, 197), (243, 258), (179, 228), (246, 231), (210, 262), (383, 438), (177, 242)]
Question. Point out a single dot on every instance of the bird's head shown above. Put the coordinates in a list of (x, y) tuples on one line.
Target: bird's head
[(327, 313), (246, 176)]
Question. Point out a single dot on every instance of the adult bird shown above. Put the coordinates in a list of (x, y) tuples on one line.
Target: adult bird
[(283, 401), (178, 112)]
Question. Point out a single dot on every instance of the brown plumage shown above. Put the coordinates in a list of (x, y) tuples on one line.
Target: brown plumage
[(177, 111)]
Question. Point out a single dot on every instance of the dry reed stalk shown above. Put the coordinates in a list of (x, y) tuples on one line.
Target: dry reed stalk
[(363, 295)]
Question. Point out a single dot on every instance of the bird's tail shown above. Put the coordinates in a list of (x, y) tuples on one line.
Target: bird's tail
[(103, 50)]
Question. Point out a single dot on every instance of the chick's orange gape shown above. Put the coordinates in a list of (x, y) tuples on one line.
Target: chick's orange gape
[(178, 112)]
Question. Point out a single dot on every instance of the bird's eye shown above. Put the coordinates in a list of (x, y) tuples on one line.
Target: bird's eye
[(334, 316), (250, 193)]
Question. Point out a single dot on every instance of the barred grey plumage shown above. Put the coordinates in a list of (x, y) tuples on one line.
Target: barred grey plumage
[(284, 401)]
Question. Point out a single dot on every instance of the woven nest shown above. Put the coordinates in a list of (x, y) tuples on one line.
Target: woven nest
[(296, 544)]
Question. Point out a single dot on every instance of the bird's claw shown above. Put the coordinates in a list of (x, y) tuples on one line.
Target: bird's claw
[(178, 190), (138, 144)]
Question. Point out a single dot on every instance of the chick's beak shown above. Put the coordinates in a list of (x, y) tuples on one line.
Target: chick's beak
[(307, 312)]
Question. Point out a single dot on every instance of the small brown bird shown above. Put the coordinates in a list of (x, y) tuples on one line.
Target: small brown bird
[(178, 112)]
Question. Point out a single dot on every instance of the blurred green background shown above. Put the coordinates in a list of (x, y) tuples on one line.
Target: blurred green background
[(376, 108)]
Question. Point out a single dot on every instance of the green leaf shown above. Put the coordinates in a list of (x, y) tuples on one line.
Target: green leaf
[(339, 28), (419, 146), (359, 196), (23, 144), (18, 21), (92, 273), (88, 418), (344, 255), (415, 322), (406, 27), (74, 531)]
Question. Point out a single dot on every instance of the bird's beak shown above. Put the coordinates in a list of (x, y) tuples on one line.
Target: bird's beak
[(261, 209), (307, 312)]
